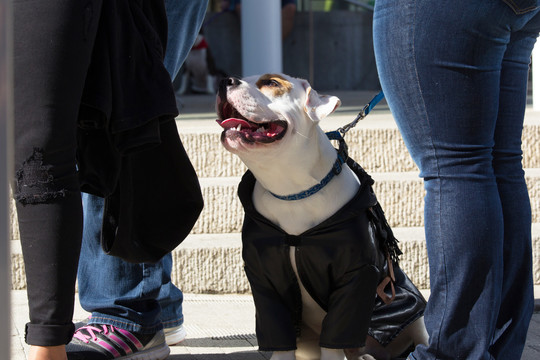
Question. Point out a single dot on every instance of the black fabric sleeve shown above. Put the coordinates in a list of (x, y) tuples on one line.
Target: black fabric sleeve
[(350, 307), (275, 325)]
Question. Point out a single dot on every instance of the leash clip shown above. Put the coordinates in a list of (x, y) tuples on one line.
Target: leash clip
[(362, 114)]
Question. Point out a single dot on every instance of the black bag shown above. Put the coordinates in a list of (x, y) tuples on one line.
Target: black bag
[(156, 203), (129, 151)]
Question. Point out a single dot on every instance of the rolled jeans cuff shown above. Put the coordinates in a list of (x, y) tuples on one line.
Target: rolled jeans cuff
[(48, 335)]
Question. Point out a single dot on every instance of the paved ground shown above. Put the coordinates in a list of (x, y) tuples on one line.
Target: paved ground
[(219, 327)]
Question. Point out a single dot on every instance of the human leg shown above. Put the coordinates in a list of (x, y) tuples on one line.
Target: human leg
[(47, 352), (122, 294), (185, 19), (515, 311), (440, 67), (122, 298), (116, 292), (50, 58)]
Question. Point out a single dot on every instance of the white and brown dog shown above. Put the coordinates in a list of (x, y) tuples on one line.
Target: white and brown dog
[(315, 241)]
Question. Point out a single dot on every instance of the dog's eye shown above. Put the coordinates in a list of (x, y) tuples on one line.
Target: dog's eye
[(271, 83)]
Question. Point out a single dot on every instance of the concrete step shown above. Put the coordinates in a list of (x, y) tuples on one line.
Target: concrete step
[(375, 144), (400, 194), (213, 264)]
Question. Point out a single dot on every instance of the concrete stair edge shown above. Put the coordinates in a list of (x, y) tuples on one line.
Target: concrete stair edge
[(400, 194), (369, 147), (213, 264)]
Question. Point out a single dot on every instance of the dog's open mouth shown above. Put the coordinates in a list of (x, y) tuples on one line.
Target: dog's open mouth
[(237, 125)]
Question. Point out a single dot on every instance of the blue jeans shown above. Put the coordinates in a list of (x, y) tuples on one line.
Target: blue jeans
[(136, 297), (455, 74), (185, 19)]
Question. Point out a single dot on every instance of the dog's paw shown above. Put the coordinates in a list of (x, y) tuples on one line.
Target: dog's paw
[(366, 357), (359, 354)]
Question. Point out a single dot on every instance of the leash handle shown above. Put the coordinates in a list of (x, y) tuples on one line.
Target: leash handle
[(362, 114)]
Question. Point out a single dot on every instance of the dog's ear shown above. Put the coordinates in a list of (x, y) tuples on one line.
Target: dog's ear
[(317, 107)]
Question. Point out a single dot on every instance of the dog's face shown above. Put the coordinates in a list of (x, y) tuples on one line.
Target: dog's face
[(264, 112)]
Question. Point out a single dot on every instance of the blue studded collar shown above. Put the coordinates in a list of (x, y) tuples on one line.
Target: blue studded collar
[(335, 170)]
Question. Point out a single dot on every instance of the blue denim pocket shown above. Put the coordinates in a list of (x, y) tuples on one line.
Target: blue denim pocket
[(522, 6)]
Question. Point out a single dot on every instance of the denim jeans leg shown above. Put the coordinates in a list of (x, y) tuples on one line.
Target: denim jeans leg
[(127, 295), (114, 291), (170, 297), (185, 18), (442, 67), (515, 311)]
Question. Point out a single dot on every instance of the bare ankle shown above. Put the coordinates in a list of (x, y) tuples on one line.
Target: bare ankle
[(47, 353)]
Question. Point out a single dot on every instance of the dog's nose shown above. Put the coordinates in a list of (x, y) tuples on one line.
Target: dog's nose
[(225, 84), (230, 81)]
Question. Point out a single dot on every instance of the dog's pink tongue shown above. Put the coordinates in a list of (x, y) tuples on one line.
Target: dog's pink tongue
[(233, 123)]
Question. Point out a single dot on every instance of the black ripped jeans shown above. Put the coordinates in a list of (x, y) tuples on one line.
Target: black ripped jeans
[(52, 50)]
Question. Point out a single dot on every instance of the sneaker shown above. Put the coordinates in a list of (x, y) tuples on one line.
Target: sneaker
[(106, 342), (175, 335)]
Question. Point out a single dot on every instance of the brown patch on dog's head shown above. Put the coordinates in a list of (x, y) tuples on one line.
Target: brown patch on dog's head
[(274, 85)]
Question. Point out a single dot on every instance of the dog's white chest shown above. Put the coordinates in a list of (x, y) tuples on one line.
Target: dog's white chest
[(298, 216)]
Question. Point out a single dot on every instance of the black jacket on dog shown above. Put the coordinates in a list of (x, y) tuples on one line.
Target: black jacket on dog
[(340, 262)]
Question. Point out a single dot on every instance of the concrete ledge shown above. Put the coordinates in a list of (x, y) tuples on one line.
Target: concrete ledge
[(400, 194), (219, 269), (377, 148), (213, 264)]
